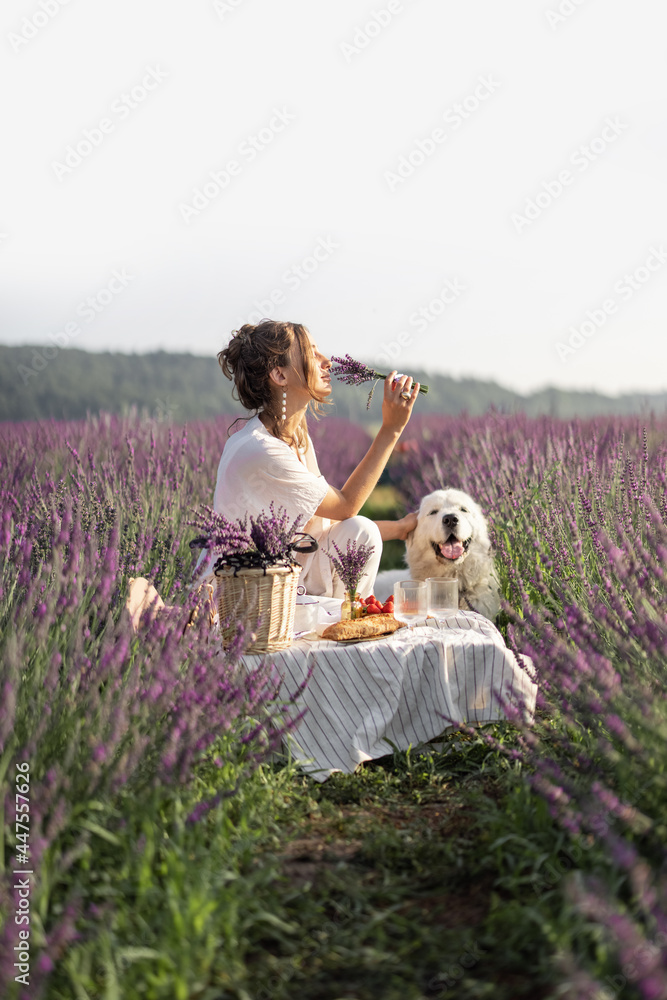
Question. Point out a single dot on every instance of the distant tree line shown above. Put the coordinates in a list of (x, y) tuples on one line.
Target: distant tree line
[(46, 382)]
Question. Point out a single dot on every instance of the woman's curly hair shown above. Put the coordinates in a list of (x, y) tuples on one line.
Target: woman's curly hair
[(250, 357)]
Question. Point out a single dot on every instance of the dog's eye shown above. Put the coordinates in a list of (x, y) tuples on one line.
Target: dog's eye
[(433, 512), (464, 510)]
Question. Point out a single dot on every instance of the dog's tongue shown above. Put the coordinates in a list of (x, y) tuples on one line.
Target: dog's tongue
[(451, 550)]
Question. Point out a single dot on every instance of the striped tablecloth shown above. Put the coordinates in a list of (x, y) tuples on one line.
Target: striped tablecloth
[(407, 688)]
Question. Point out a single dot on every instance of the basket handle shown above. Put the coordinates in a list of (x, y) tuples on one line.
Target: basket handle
[(309, 544), (199, 543)]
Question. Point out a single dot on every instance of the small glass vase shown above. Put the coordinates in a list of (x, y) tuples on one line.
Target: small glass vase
[(351, 607)]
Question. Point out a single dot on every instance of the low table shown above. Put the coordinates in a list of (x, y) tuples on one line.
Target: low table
[(406, 688)]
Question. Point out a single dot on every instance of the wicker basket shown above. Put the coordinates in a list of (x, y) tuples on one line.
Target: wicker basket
[(264, 601)]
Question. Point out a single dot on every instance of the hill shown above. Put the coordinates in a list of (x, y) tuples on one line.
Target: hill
[(34, 384)]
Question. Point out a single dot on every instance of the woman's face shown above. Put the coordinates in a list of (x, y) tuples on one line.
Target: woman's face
[(321, 366)]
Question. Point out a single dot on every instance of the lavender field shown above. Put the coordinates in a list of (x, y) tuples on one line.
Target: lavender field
[(157, 828)]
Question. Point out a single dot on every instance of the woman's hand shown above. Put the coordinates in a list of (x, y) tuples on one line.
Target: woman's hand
[(397, 530), (395, 409), (405, 525)]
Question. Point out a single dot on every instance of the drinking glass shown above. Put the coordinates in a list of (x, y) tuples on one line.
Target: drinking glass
[(409, 601), (305, 614), (442, 596)]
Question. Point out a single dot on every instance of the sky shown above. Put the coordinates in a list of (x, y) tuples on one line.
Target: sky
[(474, 188)]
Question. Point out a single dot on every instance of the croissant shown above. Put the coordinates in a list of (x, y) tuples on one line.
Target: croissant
[(360, 628)]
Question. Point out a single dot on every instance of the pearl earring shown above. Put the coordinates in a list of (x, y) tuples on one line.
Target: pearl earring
[(284, 415)]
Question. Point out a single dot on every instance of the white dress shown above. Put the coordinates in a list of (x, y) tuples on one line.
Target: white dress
[(257, 468)]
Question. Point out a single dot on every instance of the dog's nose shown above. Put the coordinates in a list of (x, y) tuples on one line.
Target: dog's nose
[(450, 520)]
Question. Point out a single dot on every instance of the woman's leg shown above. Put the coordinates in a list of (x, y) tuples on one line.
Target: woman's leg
[(361, 530), (142, 596)]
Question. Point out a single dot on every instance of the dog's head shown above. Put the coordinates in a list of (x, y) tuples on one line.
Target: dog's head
[(450, 523)]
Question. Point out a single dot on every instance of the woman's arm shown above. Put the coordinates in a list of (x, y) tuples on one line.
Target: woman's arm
[(348, 501)]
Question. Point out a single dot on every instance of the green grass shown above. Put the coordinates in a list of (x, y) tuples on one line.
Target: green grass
[(384, 505), (424, 875)]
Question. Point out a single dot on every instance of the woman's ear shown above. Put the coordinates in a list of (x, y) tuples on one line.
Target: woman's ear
[(278, 376)]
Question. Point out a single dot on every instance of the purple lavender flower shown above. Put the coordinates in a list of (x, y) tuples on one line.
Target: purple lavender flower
[(273, 533), (222, 536), (351, 372), (267, 539), (350, 564), (579, 521), (340, 446)]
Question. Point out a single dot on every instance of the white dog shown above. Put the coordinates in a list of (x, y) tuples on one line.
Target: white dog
[(451, 540)]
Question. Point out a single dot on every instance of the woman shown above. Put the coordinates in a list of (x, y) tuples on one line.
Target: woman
[(279, 372)]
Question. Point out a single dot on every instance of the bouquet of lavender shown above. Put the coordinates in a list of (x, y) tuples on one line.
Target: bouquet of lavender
[(352, 372), (273, 534), (269, 539), (350, 565)]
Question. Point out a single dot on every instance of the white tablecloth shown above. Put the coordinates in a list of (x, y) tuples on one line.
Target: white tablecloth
[(407, 688)]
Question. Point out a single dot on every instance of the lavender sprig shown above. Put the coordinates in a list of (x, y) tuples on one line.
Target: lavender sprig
[(267, 537), (223, 537), (351, 372), (350, 565), (273, 533)]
